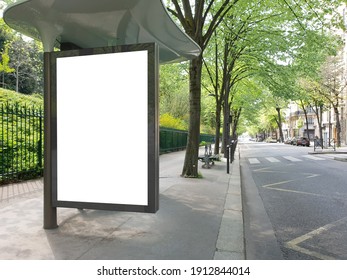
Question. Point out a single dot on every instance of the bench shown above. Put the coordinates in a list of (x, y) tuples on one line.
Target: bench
[(208, 158)]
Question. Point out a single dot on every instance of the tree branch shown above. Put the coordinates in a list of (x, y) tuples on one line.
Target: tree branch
[(296, 16), (179, 15), (216, 20)]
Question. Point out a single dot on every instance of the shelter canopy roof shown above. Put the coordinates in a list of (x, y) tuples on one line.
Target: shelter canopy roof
[(91, 23)]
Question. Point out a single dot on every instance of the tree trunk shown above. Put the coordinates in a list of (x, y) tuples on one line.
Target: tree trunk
[(226, 116), (306, 119), (319, 114), (17, 79), (320, 124), (280, 124), (190, 167), (338, 126), (226, 132), (218, 124), (235, 122)]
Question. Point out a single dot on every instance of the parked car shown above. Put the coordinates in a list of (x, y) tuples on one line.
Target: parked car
[(302, 141)]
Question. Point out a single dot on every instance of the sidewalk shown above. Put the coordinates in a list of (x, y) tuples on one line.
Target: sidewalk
[(198, 219), (339, 154)]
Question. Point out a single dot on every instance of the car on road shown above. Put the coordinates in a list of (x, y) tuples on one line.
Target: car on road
[(301, 141)]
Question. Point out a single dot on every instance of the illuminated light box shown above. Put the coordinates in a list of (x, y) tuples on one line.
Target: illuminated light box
[(105, 128)]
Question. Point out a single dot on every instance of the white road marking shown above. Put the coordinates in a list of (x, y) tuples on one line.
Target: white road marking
[(278, 183), (313, 157), (293, 244), (292, 191), (292, 158), (253, 161), (272, 159), (309, 175)]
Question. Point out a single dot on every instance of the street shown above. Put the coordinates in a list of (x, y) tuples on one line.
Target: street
[(295, 203)]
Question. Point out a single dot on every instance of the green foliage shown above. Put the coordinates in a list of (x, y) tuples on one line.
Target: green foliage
[(174, 91), (300, 123), (12, 98), (21, 135), (203, 143), (207, 129), (6, 34), (4, 64), (169, 121), (25, 57)]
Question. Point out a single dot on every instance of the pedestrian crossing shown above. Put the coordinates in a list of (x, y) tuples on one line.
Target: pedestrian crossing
[(293, 159), (272, 159), (278, 159), (253, 160)]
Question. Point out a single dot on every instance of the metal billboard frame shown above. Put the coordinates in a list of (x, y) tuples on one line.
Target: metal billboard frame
[(51, 201)]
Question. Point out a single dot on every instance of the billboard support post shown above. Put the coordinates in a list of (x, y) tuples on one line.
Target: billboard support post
[(50, 212)]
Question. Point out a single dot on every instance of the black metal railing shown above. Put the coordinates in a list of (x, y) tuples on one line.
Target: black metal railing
[(175, 139), (21, 142)]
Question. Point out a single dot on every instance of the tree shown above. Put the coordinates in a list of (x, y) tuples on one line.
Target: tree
[(236, 55), (27, 60), (4, 65), (335, 83), (173, 91), (249, 99), (304, 105), (6, 34), (309, 58), (302, 49), (280, 28), (313, 97), (212, 67), (199, 20), (25, 56)]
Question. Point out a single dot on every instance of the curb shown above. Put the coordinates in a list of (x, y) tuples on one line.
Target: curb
[(340, 159), (230, 242), (328, 152)]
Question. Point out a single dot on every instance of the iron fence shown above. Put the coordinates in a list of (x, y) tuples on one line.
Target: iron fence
[(174, 139), (21, 142)]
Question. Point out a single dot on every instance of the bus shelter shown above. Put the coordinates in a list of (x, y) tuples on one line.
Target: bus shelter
[(101, 67)]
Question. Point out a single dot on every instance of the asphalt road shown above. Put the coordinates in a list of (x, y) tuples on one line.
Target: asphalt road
[(295, 204)]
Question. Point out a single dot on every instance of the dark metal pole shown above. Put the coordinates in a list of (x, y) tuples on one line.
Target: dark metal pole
[(49, 212), (228, 158), (39, 143), (232, 150)]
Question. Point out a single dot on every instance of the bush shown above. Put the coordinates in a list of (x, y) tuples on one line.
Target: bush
[(171, 122), (21, 136), (15, 98)]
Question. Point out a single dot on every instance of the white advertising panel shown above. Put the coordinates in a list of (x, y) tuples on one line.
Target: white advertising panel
[(102, 128)]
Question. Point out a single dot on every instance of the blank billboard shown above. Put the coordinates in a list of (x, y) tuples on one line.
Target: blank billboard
[(105, 129)]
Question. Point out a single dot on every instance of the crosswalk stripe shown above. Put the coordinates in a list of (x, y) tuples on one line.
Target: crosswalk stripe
[(292, 158), (313, 157), (272, 159), (253, 161)]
